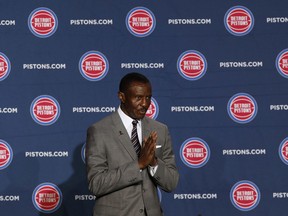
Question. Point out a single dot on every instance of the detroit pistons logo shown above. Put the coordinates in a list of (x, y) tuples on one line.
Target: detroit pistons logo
[(83, 150), (245, 195), (6, 154), (239, 20), (242, 108), (45, 110), (140, 22), (192, 65), (5, 66), (47, 197), (194, 152), (153, 109), (283, 151), (93, 66), (282, 63), (43, 22)]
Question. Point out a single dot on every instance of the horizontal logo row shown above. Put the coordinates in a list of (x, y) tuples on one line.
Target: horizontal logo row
[(242, 108), (191, 65), (195, 152), (245, 195), (141, 21)]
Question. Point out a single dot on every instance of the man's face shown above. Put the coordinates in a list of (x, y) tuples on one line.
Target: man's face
[(136, 100)]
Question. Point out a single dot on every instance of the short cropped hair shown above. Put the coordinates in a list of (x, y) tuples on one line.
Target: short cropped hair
[(130, 78)]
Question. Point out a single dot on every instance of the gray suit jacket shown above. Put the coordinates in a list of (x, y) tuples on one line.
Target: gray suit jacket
[(113, 173)]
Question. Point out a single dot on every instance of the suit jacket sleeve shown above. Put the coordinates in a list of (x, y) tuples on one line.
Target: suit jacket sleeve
[(166, 176), (105, 174)]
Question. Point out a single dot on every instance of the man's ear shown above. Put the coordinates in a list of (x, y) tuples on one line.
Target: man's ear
[(121, 96)]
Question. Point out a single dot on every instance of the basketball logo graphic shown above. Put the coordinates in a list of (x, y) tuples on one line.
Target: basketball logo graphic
[(140, 22), (5, 66), (93, 66), (153, 109), (194, 152), (245, 195), (83, 156), (45, 110), (43, 22), (242, 108), (239, 20), (47, 198), (282, 63), (283, 151), (6, 154), (192, 65)]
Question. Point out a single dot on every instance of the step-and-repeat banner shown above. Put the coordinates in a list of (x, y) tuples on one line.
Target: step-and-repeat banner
[(219, 71)]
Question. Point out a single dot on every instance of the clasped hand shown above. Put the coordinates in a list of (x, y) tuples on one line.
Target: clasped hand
[(147, 153)]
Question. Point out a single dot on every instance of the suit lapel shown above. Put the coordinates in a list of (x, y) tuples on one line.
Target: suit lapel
[(145, 128), (121, 132)]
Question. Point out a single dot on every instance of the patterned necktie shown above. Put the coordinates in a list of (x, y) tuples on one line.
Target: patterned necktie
[(134, 138)]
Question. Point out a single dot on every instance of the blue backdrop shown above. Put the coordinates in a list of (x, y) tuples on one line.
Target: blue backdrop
[(219, 72)]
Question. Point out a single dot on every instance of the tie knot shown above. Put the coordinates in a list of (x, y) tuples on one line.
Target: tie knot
[(134, 122)]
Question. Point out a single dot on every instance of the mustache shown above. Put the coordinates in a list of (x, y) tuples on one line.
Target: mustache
[(143, 109)]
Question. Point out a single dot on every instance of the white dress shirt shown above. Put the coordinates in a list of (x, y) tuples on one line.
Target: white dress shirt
[(127, 121)]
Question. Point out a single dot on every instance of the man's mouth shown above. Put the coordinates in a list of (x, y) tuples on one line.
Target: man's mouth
[(143, 111)]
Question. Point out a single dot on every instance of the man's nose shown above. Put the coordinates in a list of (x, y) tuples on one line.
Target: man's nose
[(145, 102)]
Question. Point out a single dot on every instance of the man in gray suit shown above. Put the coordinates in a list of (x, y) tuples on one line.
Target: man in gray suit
[(126, 184)]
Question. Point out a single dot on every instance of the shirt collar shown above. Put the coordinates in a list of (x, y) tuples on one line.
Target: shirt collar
[(127, 120)]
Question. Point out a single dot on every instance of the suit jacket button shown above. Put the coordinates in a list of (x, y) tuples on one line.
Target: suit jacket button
[(141, 210)]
